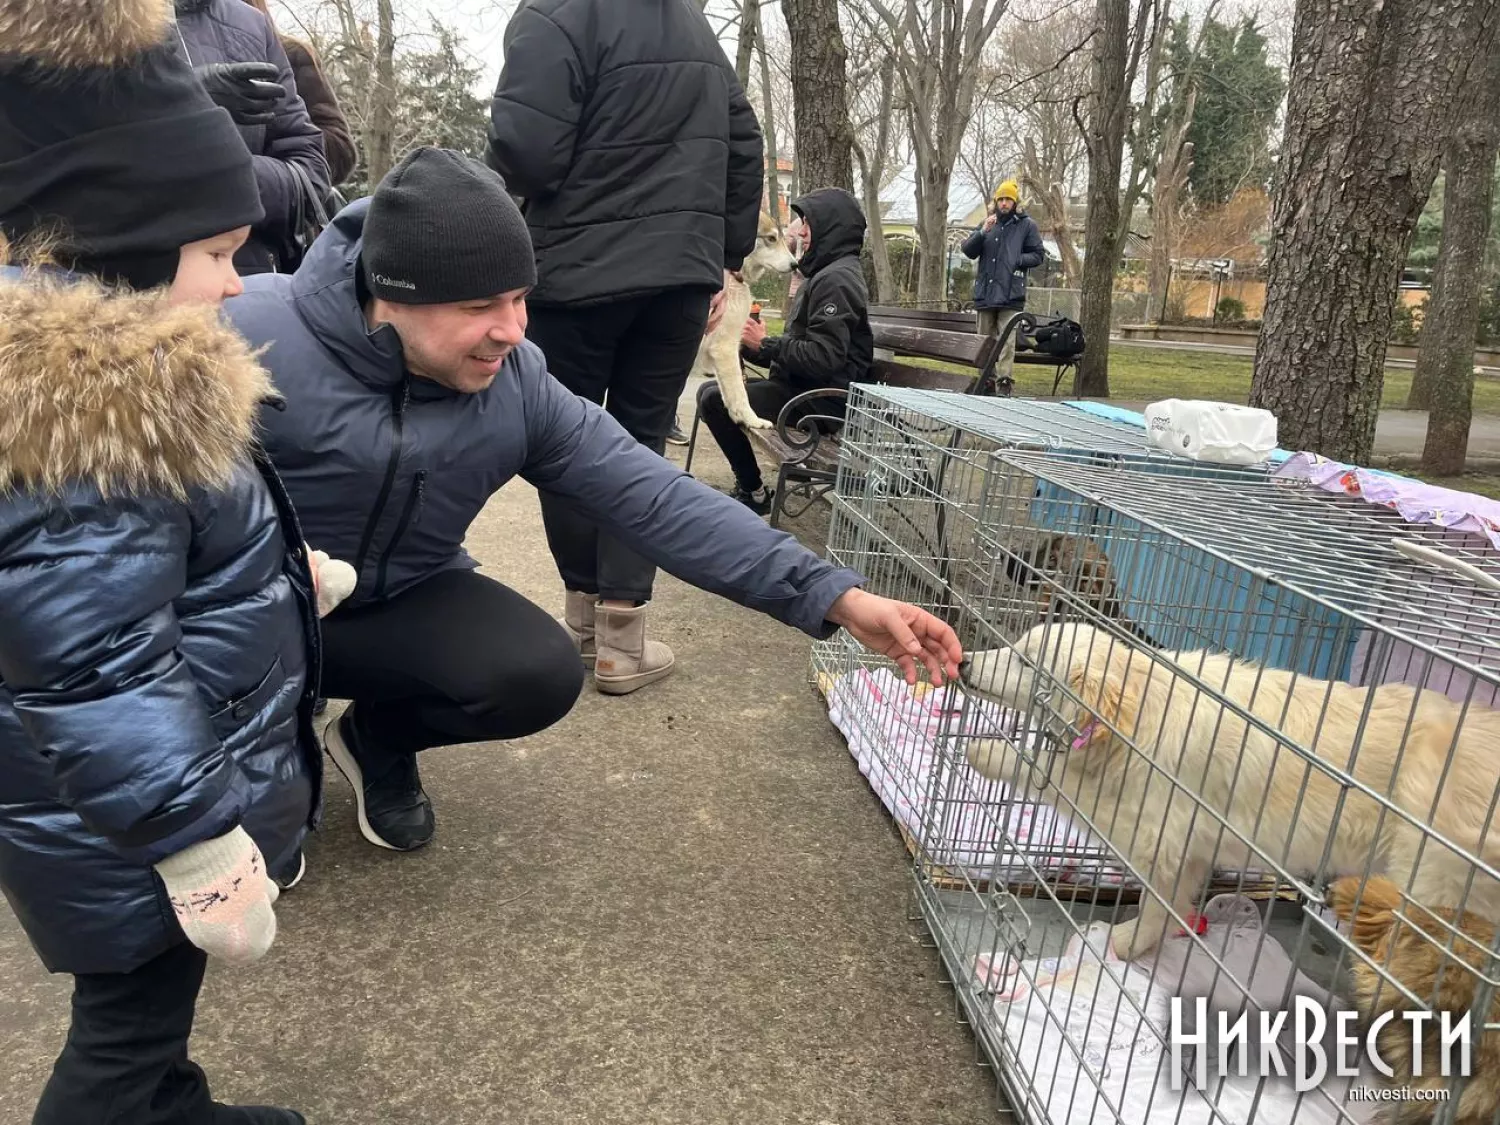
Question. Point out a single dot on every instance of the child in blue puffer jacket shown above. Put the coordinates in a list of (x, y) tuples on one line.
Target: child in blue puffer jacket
[(158, 629)]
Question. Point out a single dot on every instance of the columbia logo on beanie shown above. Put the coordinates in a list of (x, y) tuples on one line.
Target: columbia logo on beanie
[(442, 228)]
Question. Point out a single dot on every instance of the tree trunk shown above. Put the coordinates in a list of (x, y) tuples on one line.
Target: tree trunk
[(1171, 178), (380, 134), (768, 124), (1106, 143), (749, 13), (872, 167), (825, 138), (932, 234), (1373, 90), (1445, 359)]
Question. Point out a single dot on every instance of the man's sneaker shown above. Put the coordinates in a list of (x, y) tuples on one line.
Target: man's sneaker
[(394, 812), (758, 501), (676, 436), (290, 875)]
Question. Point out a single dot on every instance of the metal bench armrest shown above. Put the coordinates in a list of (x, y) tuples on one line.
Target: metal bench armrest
[(803, 437)]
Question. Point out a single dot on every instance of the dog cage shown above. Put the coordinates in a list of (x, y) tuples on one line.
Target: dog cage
[(914, 493), (1208, 717)]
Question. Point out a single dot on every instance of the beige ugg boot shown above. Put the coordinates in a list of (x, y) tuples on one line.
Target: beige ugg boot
[(627, 660), (578, 619)]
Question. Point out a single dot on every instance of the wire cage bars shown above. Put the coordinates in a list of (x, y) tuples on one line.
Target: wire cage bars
[(1191, 718)]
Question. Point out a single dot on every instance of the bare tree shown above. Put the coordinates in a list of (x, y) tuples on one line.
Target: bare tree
[(1444, 379), (768, 121), (825, 140), (1047, 76), (872, 146), (937, 46), (1374, 89), (1118, 46), (1173, 160), (745, 45), (380, 134)]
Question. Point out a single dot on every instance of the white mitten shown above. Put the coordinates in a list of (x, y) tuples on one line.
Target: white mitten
[(333, 580), (222, 896)]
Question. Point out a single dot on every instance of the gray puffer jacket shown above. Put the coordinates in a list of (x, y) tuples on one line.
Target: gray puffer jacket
[(388, 470), (158, 639)]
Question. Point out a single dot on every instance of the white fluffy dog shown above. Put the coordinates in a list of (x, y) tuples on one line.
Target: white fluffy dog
[(719, 354), (1198, 765)]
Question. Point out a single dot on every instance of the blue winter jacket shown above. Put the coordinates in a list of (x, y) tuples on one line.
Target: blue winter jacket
[(388, 470), (1005, 252), (233, 31), (157, 629)]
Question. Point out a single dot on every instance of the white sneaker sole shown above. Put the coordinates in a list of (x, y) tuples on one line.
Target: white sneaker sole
[(297, 878), (338, 750)]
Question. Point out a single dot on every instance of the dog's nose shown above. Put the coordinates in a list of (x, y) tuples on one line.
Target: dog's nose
[(964, 665)]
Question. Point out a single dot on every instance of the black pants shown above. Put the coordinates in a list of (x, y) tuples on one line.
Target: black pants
[(767, 398), (126, 1058), (632, 357), (456, 658)]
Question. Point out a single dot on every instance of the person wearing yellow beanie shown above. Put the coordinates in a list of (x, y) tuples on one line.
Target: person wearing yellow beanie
[(1006, 244)]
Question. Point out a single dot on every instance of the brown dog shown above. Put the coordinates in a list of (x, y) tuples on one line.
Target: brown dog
[(1412, 945)]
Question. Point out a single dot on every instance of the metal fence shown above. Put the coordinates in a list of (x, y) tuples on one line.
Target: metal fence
[(1190, 770)]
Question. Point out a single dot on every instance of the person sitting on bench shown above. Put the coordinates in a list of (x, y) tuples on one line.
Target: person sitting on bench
[(827, 343)]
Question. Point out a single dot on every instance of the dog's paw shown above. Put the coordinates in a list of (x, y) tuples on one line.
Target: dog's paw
[(1137, 938), (756, 422)]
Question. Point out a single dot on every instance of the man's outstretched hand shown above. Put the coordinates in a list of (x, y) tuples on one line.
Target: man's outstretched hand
[(903, 632)]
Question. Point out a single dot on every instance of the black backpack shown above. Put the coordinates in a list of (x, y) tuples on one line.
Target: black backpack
[(1057, 336)]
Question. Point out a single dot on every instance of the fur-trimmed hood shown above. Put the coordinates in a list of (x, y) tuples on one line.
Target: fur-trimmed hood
[(119, 390), (71, 34)]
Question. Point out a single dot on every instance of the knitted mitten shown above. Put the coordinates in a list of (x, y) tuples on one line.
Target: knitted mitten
[(333, 580), (222, 897)]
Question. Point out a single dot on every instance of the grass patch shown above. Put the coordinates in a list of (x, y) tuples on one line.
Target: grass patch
[(1139, 374)]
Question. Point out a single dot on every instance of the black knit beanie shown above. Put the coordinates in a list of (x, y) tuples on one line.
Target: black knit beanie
[(113, 154), (441, 228)]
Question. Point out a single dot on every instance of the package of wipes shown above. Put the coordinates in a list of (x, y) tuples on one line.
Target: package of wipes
[(1220, 432)]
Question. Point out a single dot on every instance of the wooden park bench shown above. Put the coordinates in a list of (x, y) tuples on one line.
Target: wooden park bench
[(968, 321), (807, 450)]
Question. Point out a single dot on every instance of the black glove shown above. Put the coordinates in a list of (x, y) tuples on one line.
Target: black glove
[(250, 91)]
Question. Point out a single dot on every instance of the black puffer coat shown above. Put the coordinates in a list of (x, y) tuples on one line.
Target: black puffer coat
[(623, 127), (157, 634)]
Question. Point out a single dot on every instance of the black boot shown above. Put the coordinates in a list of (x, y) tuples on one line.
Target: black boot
[(394, 812)]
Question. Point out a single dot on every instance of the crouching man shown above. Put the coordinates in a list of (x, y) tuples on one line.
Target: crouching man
[(410, 397)]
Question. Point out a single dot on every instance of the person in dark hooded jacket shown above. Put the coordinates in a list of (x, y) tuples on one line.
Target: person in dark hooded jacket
[(623, 126), (827, 343), (240, 60), (158, 638)]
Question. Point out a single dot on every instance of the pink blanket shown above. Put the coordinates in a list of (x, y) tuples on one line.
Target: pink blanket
[(911, 748)]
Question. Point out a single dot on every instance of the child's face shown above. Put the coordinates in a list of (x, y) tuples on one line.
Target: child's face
[(205, 270)]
